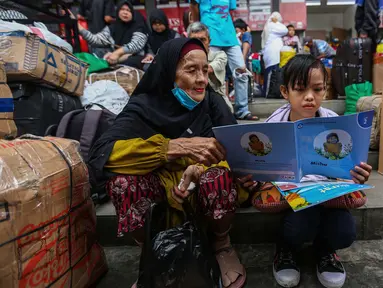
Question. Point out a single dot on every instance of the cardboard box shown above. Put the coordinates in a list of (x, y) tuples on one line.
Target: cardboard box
[(29, 58), (47, 219), (377, 73), (7, 125)]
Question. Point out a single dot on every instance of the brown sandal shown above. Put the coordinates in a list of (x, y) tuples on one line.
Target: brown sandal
[(249, 117), (228, 260)]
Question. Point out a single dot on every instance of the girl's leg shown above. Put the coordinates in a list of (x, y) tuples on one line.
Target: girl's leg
[(297, 228), (337, 231), (217, 198)]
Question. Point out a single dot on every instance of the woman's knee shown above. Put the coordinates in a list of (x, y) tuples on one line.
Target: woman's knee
[(217, 194)]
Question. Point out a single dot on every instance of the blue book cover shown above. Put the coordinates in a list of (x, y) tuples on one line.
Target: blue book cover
[(288, 151), (306, 194)]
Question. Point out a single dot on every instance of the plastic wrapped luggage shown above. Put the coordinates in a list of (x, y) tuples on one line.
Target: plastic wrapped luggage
[(352, 64), (38, 107)]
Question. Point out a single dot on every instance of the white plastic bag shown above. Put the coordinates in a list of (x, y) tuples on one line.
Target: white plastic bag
[(40, 30), (106, 93)]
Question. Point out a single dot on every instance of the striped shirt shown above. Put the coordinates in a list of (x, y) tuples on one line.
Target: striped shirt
[(105, 39)]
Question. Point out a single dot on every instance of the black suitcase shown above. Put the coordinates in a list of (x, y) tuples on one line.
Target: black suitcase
[(38, 107), (352, 64)]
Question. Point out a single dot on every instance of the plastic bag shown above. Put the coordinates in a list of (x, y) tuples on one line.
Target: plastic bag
[(40, 30), (287, 53), (107, 93), (177, 257), (95, 63), (354, 92)]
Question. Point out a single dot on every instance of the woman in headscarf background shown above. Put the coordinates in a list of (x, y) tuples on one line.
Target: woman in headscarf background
[(127, 36), (272, 43), (164, 138), (160, 33)]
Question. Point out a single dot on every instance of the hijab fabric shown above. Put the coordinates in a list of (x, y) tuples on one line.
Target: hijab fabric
[(122, 32), (153, 109), (157, 39), (265, 32)]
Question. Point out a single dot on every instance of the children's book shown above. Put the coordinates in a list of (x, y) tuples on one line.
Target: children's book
[(288, 151), (306, 194)]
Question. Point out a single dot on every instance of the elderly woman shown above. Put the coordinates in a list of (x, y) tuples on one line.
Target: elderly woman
[(127, 35), (272, 43), (163, 138)]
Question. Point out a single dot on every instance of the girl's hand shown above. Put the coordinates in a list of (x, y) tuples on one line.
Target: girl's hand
[(247, 182), (191, 174), (361, 173), (148, 59)]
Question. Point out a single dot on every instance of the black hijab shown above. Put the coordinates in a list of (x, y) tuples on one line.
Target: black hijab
[(122, 32), (157, 39), (153, 109)]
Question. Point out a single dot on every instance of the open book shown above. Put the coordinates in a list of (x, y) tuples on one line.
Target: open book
[(288, 151)]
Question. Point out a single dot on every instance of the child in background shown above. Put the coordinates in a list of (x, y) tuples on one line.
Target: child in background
[(330, 229), (245, 38), (292, 40)]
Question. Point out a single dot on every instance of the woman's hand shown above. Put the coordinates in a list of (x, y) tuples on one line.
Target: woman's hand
[(206, 151), (247, 182), (115, 56), (191, 174), (361, 173), (148, 59)]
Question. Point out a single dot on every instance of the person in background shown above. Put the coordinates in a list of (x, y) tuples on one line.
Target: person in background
[(98, 13), (367, 19), (162, 141), (216, 16), (186, 20), (217, 60), (272, 44), (335, 43), (127, 36), (292, 40), (246, 39), (319, 48), (160, 33)]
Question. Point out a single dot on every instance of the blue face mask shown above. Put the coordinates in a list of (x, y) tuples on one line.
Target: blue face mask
[(183, 97)]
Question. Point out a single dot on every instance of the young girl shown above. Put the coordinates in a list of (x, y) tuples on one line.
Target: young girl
[(330, 229)]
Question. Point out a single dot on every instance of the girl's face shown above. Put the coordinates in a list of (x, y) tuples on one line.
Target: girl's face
[(305, 102), (158, 26)]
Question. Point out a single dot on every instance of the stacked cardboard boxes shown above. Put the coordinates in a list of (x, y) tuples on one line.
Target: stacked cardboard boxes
[(47, 219), (30, 58), (7, 125)]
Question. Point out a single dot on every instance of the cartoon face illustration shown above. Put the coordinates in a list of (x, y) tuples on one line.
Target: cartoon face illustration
[(255, 144), (332, 144)]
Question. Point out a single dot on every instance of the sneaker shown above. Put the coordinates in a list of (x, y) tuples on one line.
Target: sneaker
[(330, 271), (285, 269)]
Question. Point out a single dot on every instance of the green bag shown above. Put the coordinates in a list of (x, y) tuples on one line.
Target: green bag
[(354, 92), (95, 63)]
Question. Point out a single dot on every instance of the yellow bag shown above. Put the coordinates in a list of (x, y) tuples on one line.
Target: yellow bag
[(379, 48), (287, 53)]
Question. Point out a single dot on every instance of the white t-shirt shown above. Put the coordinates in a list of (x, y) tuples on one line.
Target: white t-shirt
[(274, 43)]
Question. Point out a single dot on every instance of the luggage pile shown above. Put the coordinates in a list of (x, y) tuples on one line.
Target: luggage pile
[(47, 220), (7, 125), (46, 80)]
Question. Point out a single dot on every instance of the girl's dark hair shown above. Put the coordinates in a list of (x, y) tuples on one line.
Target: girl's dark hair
[(290, 26), (297, 70)]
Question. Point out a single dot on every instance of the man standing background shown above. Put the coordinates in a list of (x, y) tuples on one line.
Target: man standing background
[(216, 16)]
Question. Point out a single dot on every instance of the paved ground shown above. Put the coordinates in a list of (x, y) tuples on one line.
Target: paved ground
[(363, 262)]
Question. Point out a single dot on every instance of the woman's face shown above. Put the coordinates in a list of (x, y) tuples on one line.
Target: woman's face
[(191, 74), (125, 14), (158, 26)]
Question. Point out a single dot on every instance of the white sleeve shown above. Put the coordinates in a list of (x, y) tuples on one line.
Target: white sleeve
[(278, 29)]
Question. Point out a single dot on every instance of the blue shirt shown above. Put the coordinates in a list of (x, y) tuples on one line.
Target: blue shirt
[(215, 14), (246, 37)]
